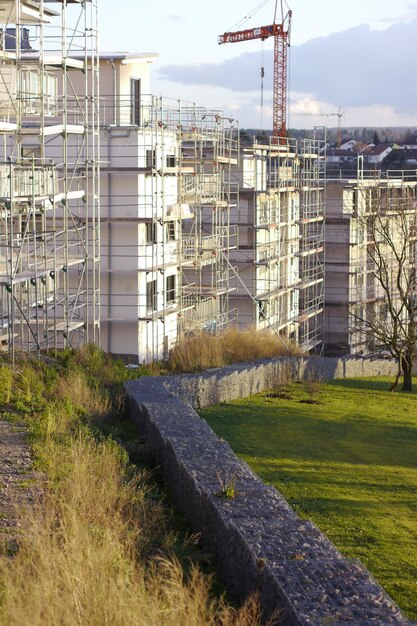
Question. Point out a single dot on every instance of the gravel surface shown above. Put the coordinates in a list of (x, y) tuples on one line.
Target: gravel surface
[(17, 479)]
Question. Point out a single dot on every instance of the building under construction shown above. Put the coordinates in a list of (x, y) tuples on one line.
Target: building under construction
[(49, 198), (167, 196), (280, 261), (354, 294)]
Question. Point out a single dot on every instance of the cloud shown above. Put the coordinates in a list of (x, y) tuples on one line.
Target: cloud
[(237, 74), (356, 68), (174, 18), (306, 106), (360, 67), (406, 17)]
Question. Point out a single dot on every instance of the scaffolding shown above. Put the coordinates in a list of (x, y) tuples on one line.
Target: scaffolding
[(280, 243), (312, 212), (49, 183), (166, 225), (209, 148)]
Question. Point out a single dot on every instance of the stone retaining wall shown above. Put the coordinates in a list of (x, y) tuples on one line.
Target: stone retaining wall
[(259, 542), (220, 385)]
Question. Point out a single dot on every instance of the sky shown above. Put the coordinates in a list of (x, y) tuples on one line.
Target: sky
[(358, 57)]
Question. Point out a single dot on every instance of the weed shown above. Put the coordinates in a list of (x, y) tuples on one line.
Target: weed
[(6, 382), (28, 390), (83, 395), (227, 485), (26, 484)]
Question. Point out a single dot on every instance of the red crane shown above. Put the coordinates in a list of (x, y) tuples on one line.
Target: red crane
[(281, 34)]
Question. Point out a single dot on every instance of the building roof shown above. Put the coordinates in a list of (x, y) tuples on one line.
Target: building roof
[(375, 150), (348, 141), (128, 57)]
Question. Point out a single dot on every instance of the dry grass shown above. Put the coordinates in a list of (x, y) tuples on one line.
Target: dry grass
[(205, 350), (96, 547), (83, 559), (84, 396)]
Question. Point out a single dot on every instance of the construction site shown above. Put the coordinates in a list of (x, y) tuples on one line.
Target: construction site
[(197, 233), (49, 199), (183, 208), (132, 221)]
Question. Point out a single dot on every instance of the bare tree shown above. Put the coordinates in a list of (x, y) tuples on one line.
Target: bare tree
[(388, 307)]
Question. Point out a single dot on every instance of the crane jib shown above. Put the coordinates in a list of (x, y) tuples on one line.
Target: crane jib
[(263, 32)]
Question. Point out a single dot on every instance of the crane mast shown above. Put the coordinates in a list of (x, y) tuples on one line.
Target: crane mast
[(339, 115), (281, 34)]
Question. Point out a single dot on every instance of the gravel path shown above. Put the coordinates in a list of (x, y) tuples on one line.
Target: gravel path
[(16, 478)]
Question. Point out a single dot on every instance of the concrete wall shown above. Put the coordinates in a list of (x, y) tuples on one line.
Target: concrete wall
[(259, 542)]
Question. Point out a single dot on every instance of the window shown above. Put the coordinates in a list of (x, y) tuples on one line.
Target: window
[(170, 289), (262, 309), (135, 101), (150, 159), (34, 94), (293, 303), (29, 152), (150, 232), (30, 90), (170, 231), (9, 39), (355, 199), (170, 160), (151, 296)]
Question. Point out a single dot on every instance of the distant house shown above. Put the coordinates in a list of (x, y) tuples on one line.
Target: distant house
[(337, 156), (374, 155), (349, 145)]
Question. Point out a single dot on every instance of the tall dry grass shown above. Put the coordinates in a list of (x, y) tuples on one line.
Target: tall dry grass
[(205, 350), (83, 558), (95, 547), (83, 395)]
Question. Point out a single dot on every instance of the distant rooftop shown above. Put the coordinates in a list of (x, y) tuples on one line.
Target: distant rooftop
[(375, 150)]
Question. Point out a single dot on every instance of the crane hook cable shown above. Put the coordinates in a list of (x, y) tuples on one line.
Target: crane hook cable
[(248, 16)]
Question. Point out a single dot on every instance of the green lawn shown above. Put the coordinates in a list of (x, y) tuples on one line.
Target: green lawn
[(348, 463)]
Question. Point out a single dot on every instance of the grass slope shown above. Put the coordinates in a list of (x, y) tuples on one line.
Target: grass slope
[(348, 463), (99, 546)]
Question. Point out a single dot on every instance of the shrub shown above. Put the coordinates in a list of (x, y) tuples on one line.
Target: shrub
[(279, 381), (313, 385), (96, 364)]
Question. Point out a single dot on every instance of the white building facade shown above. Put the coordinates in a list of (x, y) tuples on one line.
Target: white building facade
[(165, 216)]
